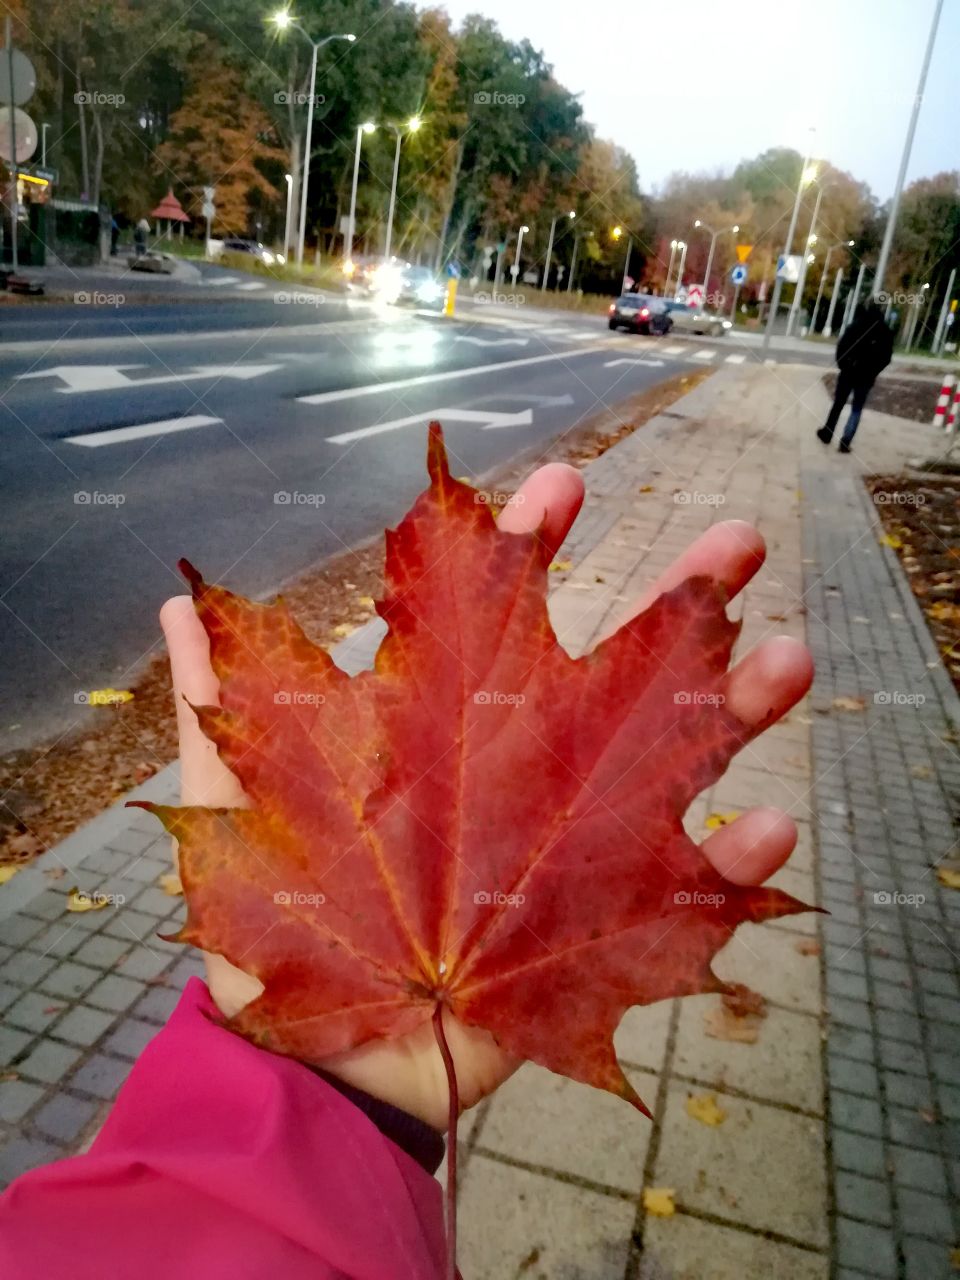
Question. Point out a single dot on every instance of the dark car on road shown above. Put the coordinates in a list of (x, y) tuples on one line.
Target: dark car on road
[(640, 312)]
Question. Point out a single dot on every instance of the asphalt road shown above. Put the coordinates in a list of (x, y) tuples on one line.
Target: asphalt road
[(254, 432)]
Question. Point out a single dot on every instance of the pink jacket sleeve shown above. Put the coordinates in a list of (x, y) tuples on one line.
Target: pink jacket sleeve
[(222, 1160)]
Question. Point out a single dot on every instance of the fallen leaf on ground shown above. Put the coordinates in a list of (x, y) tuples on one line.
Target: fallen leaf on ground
[(717, 820), (807, 946), (646, 488), (659, 1201), (561, 566), (143, 770), (367, 601), (703, 1107), (891, 540), (78, 900), (344, 629), (498, 891), (8, 871), (920, 771), (741, 1000), (949, 877), (55, 873), (22, 847), (720, 1024), (171, 884), (847, 702)]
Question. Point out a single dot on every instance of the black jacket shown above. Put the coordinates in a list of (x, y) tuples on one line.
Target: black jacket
[(866, 347)]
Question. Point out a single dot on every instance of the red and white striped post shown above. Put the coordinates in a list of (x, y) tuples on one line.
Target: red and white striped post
[(940, 413), (954, 417)]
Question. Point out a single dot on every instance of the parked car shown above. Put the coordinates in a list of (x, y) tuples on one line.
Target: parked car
[(254, 248), (421, 288), (640, 312), (693, 320)]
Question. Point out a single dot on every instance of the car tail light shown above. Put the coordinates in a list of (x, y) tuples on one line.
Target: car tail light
[(613, 307), (644, 313)]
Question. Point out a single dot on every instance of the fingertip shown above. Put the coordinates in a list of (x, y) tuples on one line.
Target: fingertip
[(548, 501), (753, 847)]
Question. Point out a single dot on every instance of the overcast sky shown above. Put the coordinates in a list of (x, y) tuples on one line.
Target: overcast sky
[(700, 84)]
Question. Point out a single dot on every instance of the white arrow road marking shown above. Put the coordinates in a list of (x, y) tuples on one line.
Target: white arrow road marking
[(422, 380), (493, 342), (649, 364), (582, 335), (541, 402), (675, 350), (121, 435), (251, 284), (487, 418), (216, 281), (705, 354), (735, 359), (108, 377)]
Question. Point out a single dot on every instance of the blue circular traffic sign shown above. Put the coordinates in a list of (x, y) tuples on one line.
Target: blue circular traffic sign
[(738, 274)]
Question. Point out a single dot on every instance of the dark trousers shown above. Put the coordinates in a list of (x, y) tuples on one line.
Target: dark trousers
[(847, 384)]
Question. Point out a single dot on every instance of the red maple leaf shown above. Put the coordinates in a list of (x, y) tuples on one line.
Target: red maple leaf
[(481, 821)]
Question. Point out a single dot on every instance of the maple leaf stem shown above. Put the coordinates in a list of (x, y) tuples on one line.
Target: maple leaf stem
[(453, 1115)]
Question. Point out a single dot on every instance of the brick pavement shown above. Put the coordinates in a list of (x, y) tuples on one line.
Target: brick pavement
[(802, 1180)]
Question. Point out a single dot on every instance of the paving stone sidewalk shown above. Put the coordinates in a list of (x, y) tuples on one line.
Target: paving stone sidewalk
[(797, 1183)]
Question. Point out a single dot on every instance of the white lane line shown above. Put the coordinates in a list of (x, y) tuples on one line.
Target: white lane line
[(216, 281), (734, 359), (582, 335), (675, 350), (423, 380), (251, 284), (161, 428), (705, 354)]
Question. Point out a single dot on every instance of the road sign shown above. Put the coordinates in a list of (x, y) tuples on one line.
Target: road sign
[(24, 78), (695, 296), (744, 251), (208, 194), (208, 209), (788, 267), (47, 172), (738, 275), (26, 132)]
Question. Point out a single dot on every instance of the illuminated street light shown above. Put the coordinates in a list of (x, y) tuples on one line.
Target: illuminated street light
[(412, 125), (713, 244)]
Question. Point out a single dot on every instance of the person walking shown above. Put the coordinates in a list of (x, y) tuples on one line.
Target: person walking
[(863, 352)]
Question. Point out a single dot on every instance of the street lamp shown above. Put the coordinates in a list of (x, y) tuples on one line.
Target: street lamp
[(808, 174), (43, 144), (617, 233), (841, 244), (573, 262), (412, 125), (284, 20), (367, 127), (713, 244), (673, 254), (515, 269), (553, 227), (682, 246)]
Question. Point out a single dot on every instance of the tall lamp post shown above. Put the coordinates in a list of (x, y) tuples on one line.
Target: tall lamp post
[(673, 254), (713, 245), (412, 125), (367, 127), (515, 269), (617, 233), (288, 178), (284, 20), (807, 175), (553, 230), (682, 246), (841, 244)]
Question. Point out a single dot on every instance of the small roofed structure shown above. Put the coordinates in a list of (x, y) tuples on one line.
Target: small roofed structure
[(170, 209)]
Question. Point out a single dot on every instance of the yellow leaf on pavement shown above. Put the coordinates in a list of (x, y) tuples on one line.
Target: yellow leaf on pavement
[(703, 1107), (846, 702), (78, 900), (366, 601), (171, 884), (891, 540), (659, 1201), (561, 566), (949, 877), (7, 873), (716, 820), (344, 629)]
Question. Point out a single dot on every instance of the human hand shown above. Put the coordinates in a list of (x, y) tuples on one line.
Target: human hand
[(408, 1071)]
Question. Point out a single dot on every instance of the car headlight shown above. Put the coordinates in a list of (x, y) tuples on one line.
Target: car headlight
[(281, 258), (429, 291), (727, 324), (267, 257)]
